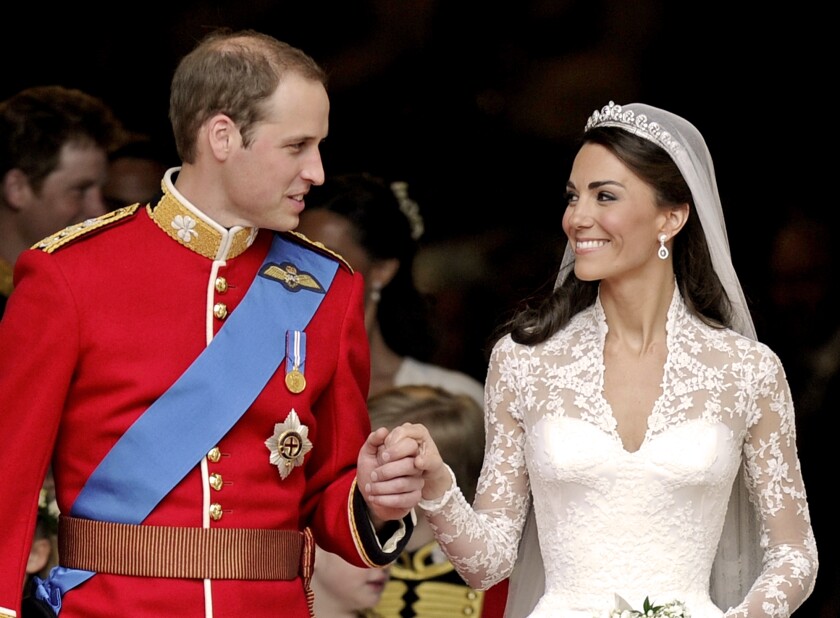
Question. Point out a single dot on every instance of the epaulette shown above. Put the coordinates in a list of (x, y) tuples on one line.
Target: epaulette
[(320, 248), (72, 232)]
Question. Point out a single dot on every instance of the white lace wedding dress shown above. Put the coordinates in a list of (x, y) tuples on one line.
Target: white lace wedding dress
[(644, 523)]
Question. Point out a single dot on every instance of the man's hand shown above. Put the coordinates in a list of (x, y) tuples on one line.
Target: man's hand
[(388, 478)]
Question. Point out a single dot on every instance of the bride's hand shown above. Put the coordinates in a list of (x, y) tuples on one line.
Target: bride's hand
[(415, 438)]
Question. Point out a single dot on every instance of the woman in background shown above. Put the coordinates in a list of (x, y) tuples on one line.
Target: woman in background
[(376, 227)]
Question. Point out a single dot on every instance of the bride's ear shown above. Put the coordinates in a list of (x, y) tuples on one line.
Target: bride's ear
[(676, 219)]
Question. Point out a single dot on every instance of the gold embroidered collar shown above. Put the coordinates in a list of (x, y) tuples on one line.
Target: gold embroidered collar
[(191, 228)]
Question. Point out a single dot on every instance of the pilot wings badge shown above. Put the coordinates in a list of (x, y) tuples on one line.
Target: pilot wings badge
[(291, 278)]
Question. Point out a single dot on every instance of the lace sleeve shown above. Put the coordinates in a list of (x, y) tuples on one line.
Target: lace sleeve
[(774, 480), (481, 542)]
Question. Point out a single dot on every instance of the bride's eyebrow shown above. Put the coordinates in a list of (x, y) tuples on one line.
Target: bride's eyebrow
[(603, 183)]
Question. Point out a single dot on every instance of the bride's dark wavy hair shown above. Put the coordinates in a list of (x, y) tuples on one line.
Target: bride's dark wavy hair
[(538, 318)]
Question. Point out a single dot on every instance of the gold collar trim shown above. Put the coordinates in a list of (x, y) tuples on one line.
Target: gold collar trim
[(191, 228), (427, 562), (6, 283)]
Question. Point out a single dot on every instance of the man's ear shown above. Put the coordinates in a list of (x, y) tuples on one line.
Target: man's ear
[(222, 136), (17, 192)]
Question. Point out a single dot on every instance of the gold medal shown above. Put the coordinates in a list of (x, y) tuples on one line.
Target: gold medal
[(295, 381)]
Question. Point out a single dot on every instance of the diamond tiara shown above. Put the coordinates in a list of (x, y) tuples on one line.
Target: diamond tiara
[(612, 115)]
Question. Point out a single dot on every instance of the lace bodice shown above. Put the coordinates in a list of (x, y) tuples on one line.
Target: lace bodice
[(643, 523)]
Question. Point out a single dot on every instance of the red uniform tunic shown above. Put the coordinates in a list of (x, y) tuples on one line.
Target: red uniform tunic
[(98, 328)]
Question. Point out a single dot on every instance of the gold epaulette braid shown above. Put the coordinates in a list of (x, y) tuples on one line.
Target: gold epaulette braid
[(72, 232)]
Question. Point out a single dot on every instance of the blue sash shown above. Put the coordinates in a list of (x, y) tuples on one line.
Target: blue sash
[(178, 429)]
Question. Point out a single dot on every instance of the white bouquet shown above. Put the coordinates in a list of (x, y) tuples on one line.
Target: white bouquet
[(672, 609)]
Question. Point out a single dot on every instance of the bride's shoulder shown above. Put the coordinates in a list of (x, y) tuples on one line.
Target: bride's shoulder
[(732, 342)]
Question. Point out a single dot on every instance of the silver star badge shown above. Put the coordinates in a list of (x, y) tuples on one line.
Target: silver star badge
[(289, 444)]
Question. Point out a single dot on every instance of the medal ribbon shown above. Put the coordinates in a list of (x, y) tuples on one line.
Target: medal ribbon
[(295, 360)]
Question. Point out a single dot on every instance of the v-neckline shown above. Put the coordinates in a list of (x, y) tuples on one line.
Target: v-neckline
[(614, 421), (657, 402)]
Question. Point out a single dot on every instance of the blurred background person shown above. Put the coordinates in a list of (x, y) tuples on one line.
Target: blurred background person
[(343, 590), (54, 145), (424, 584), (135, 171), (44, 551), (376, 227), (800, 319)]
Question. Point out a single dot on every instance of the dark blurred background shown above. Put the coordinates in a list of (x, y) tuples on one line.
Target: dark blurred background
[(477, 105)]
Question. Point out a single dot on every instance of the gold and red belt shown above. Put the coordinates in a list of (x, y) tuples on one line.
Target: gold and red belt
[(184, 553)]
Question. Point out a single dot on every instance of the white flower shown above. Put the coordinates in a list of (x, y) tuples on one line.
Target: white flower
[(185, 226), (672, 609)]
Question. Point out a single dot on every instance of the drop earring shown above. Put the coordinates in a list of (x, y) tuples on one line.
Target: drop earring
[(375, 294), (663, 252)]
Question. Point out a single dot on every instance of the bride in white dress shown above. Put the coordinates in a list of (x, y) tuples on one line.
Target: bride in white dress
[(627, 411)]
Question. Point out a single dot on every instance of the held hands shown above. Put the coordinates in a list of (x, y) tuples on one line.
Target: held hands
[(397, 469), (390, 484)]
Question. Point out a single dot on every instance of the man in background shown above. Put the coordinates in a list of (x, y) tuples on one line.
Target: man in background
[(54, 145)]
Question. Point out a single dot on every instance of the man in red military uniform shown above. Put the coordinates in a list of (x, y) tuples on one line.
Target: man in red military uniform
[(198, 373)]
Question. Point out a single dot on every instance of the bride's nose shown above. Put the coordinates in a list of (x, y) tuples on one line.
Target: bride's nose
[(577, 216)]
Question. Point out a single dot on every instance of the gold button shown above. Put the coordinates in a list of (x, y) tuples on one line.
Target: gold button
[(468, 611), (216, 511), (471, 595), (220, 310), (221, 285), (214, 455), (216, 481)]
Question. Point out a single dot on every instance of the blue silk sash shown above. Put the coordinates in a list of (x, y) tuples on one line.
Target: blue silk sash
[(178, 429)]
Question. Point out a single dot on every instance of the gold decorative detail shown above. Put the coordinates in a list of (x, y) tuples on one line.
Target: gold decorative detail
[(214, 455), (443, 600), (216, 481), (220, 310), (322, 248), (216, 511), (291, 278), (221, 285), (427, 562), (191, 231), (295, 381), (427, 573), (72, 232), (289, 444), (392, 601)]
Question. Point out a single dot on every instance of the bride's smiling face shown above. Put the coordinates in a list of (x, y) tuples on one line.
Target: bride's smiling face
[(612, 219)]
